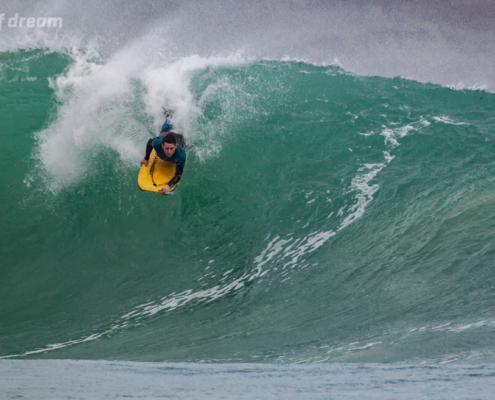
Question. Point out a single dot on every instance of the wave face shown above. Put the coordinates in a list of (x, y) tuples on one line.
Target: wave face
[(322, 215)]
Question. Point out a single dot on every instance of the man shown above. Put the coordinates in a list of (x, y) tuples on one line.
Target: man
[(169, 146)]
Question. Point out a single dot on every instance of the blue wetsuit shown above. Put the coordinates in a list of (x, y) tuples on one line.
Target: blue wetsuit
[(178, 158), (167, 126)]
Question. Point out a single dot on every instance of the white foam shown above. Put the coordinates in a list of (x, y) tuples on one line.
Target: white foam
[(446, 120), (101, 109), (391, 135), (364, 192), (424, 122)]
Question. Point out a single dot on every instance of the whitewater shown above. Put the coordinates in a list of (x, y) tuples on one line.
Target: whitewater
[(331, 236)]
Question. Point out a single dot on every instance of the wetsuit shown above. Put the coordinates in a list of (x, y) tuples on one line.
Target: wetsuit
[(167, 126), (178, 158)]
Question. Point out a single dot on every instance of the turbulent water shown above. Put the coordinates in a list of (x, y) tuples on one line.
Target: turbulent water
[(330, 209)]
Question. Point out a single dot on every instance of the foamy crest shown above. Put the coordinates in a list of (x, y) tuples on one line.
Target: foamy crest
[(105, 105), (444, 42), (170, 85)]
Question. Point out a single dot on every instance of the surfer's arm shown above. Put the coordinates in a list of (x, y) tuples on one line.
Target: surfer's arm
[(149, 149), (178, 174)]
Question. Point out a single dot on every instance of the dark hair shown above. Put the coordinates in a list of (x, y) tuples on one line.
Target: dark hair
[(170, 138)]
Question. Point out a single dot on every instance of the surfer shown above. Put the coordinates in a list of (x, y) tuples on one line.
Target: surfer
[(169, 146)]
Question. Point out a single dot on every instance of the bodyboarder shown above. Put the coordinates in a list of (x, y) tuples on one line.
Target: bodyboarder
[(169, 146)]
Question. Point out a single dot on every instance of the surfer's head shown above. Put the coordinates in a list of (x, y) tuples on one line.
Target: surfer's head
[(169, 145)]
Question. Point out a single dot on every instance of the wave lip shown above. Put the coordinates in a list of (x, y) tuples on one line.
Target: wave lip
[(437, 42)]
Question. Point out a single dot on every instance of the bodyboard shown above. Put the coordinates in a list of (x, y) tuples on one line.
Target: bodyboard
[(156, 174)]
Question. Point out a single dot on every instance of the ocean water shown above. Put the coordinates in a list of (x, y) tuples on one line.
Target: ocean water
[(337, 208), (83, 379)]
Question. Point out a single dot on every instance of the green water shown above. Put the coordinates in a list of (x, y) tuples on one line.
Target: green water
[(322, 216)]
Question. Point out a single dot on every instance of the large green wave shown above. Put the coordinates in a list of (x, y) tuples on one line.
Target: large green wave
[(321, 216)]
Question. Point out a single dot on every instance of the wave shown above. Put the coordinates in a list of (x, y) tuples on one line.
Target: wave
[(322, 216), (417, 41)]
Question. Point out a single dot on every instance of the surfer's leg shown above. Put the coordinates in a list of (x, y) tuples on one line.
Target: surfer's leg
[(167, 126)]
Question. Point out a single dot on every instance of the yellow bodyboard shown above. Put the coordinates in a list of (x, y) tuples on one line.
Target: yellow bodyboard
[(156, 175)]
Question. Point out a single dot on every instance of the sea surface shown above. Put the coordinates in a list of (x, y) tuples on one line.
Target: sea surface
[(333, 232)]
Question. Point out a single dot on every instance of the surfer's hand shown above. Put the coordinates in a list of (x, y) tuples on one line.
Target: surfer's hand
[(165, 190), (144, 161)]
